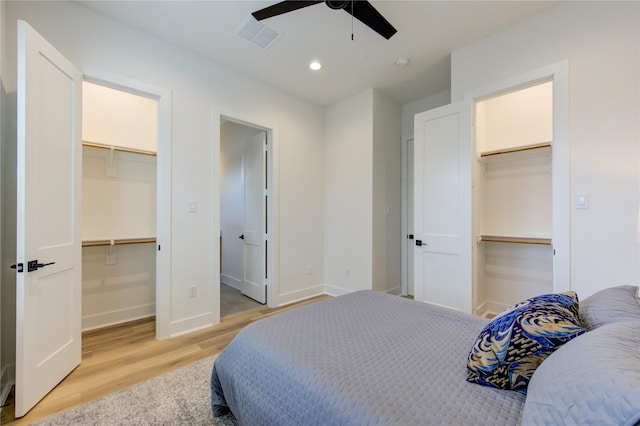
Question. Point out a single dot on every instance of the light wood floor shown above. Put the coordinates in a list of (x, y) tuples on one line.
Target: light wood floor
[(120, 356)]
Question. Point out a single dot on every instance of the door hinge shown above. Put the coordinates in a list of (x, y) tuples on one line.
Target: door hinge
[(18, 267)]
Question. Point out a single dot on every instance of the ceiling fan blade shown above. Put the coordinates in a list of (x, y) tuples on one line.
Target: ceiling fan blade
[(282, 7), (368, 15)]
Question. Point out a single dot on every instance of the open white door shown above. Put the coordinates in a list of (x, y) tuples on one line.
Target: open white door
[(48, 278), (442, 206), (254, 280)]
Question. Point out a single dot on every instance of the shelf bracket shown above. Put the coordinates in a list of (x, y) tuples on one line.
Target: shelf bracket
[(111, 163)]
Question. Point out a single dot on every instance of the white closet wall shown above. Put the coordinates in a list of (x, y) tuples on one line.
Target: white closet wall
[(119, 206)]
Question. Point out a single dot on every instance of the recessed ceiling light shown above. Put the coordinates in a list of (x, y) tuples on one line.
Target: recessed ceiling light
[(401, 62), (315, 65)]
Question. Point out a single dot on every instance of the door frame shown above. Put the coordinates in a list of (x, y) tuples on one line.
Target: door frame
[(272, 177), (557, 72), (163, 186), (405, 214)]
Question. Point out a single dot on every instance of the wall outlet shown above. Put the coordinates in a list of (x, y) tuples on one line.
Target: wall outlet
[(347, 272), (193, 291), (309, 270)]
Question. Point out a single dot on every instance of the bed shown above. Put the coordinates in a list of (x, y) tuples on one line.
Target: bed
[(369, 358)]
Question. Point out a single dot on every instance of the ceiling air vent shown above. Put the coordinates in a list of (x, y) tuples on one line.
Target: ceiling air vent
[(257, 33)]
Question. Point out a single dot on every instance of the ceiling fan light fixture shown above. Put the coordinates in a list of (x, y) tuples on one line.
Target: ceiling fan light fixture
[(315, 66)]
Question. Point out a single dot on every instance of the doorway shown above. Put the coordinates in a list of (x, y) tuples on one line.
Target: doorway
[(245, 163), (119, 206), (126, 202)]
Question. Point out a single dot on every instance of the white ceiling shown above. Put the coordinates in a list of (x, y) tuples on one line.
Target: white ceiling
[(427, 33)]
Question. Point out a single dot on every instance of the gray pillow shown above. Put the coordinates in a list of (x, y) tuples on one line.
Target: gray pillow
[(610, 305), (592, 380)]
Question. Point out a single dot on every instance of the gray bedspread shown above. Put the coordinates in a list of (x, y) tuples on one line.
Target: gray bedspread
[(365, 358)]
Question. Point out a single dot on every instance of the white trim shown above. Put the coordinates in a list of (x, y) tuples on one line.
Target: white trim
[(404, 213), (490, 308), (106, 319), (164, 191), (300, 295), (190, 324), (231, 281), (335, 291), (7, 377), (395, 291)]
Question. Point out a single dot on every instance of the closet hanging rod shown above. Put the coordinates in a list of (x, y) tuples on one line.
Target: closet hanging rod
[(120, 148), (99, 243), (516, 240), (517, 149)]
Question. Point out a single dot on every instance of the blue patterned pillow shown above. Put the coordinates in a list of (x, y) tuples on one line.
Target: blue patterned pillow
[(513, 344)]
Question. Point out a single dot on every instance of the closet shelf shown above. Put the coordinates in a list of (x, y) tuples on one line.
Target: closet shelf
[(119, 148), (515, 240), (98, 243), (538, 146)]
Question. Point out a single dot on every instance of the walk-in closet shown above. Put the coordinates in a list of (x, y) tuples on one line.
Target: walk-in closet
[(513, 197), (119, 211)]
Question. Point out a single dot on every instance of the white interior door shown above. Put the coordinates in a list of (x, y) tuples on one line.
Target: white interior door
[(254, 279), (48, 280), (442, 206)]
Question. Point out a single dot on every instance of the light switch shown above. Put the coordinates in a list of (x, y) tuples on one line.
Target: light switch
[(193, 206), (582, 200)]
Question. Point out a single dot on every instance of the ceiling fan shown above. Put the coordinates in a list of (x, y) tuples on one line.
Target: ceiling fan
[(359, 9)]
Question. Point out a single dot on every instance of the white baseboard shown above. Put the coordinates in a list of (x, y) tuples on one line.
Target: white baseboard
[(339, 291), (105, 319), (231, 281), (396, 291), (188, 325), (335, 291), (297, 296), (8, 380), (490, 308)]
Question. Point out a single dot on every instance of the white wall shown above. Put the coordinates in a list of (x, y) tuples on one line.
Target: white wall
[(362, 178), (115, 117), (197, 85), (386, 232), (601, 40), (348, 194)]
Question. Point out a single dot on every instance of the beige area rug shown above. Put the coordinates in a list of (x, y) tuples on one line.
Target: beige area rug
[(180, 397)]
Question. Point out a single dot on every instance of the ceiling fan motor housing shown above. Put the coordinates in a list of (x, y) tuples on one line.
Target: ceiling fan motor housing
[(337, 4), (361, 10)]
